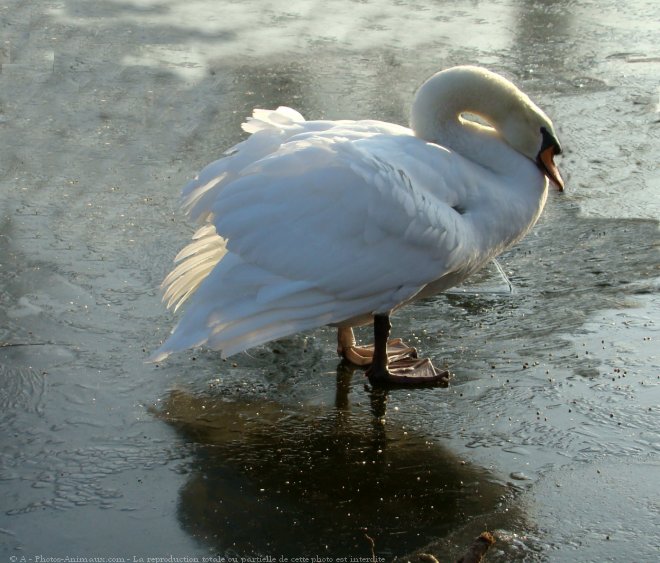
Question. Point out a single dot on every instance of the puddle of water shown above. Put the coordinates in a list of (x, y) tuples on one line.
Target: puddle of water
[(554, 381)]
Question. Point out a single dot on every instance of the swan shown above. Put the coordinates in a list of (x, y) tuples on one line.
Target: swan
[(312, 223)]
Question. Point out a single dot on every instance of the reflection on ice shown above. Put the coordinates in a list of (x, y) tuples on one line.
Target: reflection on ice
[(267, 479)]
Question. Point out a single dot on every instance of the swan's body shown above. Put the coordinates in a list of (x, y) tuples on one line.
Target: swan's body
[(310, 223)]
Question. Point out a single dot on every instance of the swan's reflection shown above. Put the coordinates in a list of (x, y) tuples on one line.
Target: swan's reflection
[(267, 479)]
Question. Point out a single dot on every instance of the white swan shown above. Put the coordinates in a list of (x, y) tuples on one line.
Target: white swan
[(311, 223)]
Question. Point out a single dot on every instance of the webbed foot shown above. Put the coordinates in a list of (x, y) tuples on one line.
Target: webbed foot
[(392, 363), (397, 350), (407, 372)]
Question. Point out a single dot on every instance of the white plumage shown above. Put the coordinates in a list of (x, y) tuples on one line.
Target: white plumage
[(309, 223)]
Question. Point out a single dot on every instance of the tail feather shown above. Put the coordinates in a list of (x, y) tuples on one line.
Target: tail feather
[(240, 305), (196, 261), (264, 327)]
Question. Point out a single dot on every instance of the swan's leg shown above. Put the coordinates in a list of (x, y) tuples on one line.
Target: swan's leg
[(402, 372), (348, 349)]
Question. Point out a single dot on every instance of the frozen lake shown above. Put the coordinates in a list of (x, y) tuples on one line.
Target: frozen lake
[(549, 433)]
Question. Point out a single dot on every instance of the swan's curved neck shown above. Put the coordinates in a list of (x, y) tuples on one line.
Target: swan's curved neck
[(441, 100)]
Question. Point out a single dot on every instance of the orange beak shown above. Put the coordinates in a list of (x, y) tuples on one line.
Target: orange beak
[(549, 168)]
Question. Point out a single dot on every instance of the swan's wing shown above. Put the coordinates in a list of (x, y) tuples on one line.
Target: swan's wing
[(356, 218)]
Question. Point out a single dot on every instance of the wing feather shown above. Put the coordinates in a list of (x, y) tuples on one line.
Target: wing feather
[(333, 211)]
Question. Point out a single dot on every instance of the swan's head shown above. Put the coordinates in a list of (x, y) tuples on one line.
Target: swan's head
[(442, 100), (526, 128)]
